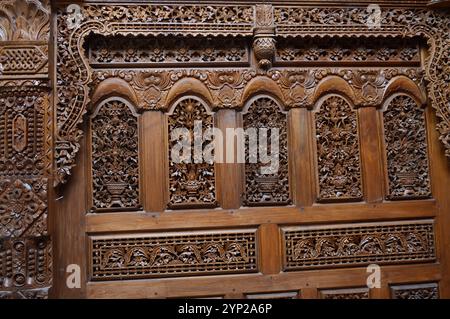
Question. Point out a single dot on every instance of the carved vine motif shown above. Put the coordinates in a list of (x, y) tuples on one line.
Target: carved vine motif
[(25, 262), (172, 50), (419, 291), (358, 244), (74, 73), (191, 182), (266, 189), (159, 256), (115, 157), (347, 50), (25, 130), (353, 293), (338, 151), (406, 149), (23, 208)]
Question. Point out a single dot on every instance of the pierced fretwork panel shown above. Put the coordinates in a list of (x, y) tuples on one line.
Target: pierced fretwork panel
[(415, 291), (358, 244), (162, 255), (406, 149), (115, 157), (338, 151), (191, 176), (269, 187)]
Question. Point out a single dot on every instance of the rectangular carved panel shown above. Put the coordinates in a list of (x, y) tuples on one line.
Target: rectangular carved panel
[(349, 293), (352, 51), (274, 295), (174, 50), (25, 130), (406, 149), (173, 254), (270, 187), (338, 160), (416, 291), (358, 244), (25, 262)]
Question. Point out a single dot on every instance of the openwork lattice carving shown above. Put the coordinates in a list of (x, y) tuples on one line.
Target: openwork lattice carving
[(417, 291), (352, 50), (168, 50), (23, 207), (192, 181), (115, 157), (406, 149), (25, 130), (273, 188), (338, 151), (297, 22), (161, 255), (358, 244), (25, 262), (351, 293)]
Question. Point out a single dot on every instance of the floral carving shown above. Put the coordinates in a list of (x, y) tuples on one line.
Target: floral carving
[(23, 208), (352, 293), (174, 255), (358, 245), (418, 291), (406, 149), (115, 157), (266, 189), (192, 181), (338, 151)]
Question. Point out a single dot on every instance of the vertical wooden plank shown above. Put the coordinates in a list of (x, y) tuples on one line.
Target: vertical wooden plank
[(228, 175), (309, 293), (440, 183), (371, 155), (69, 207), (301, 166), (270, 249), (153, 159)]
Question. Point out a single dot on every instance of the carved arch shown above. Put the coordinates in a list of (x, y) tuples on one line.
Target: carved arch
[(333, 85), (262, 86), (113, 88), (189, 87), (403, 85)]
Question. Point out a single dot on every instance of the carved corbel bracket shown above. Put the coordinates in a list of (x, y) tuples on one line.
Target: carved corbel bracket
[(264, 32)]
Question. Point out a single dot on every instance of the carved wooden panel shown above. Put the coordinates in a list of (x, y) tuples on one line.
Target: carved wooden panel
[(358, 244), (173, 254), (23, 207), (354, 51), (25, 262), (261, 187), (192, 177), (178, 51), (406, 149), (274, 295), (115, 156), (338, 158), (348, 293), (416, 291), (25, 129)]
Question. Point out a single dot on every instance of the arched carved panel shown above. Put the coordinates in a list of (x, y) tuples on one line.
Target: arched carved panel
[(270, 188), (338, 160), (406, 149), (191, 178), (115, 156)]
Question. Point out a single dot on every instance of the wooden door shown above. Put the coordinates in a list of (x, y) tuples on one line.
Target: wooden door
[(361, 176)]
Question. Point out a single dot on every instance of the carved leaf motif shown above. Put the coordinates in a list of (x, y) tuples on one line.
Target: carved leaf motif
[(115, 157), (266, 189), (338, 151), (406, 149), (191, 184)]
